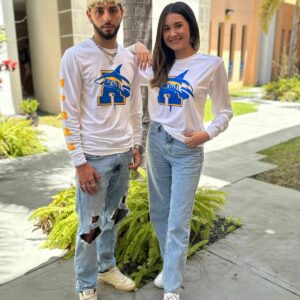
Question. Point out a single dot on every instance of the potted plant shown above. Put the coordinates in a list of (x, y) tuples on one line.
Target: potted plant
[(30, 107)]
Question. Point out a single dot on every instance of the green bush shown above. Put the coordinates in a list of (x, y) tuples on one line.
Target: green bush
[(30, 106), (137, 251), (18, 138), (285, 89)]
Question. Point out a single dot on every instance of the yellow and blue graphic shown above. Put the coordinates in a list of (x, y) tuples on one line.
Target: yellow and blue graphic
[(115, 88), (175, 91)]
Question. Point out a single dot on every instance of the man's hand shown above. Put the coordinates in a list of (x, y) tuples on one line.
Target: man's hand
[(143, 56), (137, 159), (88, 178), (196, 138)]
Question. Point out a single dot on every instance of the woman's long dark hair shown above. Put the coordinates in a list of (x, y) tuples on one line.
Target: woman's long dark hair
[(163, 56)]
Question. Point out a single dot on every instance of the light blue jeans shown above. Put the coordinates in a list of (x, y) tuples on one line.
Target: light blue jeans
[(98, 256), (173, 173)]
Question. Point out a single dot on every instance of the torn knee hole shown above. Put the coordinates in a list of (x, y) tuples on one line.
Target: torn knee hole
[(95, 219), (92, 235)]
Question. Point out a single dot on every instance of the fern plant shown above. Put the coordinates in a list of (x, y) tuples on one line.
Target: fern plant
[(59, 221), (30, 106), (137, 250), (17, 138), (285, 89)]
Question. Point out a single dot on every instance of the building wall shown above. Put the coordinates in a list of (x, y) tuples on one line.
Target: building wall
[(10, 91), (226, 38), (204, 24), (266, 54), (283, 32), (43, 31)]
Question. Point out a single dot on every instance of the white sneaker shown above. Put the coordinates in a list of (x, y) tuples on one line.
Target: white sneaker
[(158, 281), (115, 278), (171, 296), (89, 294)]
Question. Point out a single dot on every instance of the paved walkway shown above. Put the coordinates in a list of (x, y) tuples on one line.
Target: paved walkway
[(258, 261)]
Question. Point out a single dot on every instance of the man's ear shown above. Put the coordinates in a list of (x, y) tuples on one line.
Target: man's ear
[(122, 13), (88, 13)]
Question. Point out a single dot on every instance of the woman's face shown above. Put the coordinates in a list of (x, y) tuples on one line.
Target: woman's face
[(177, 36)]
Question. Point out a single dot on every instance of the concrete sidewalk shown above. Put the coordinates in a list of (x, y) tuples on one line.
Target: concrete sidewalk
[(258, 261)]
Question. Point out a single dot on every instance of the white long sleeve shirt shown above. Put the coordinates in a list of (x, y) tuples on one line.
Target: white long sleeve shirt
[(179, 104), (101, 104)]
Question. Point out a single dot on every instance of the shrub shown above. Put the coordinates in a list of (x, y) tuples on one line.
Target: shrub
[(285, 89), (137, 251), (30, 106), (17, 138)]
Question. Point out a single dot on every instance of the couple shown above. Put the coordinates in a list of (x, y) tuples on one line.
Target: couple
[(102, 111)]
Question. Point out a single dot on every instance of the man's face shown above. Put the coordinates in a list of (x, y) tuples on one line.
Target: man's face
[(106, 19)]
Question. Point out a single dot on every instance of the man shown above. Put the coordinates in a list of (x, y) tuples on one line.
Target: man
[(102, 115)]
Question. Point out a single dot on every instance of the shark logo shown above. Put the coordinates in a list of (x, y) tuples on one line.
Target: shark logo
[(115, 88), (175, 91)]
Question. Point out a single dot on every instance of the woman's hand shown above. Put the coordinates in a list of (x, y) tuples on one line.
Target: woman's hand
[(143, 56), (196, 138)]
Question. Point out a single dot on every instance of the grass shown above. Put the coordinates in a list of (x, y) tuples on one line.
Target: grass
[(239, 108), (51, 120), (243, 92), (287, 157)]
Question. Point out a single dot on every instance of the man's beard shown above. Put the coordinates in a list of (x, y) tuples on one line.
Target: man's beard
[(107, 36)]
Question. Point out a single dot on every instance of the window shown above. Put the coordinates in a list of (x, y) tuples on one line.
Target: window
[(243, 51), (220, 39), (231, 50)]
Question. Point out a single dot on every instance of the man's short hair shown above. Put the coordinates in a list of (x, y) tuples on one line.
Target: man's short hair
[(91, 3)]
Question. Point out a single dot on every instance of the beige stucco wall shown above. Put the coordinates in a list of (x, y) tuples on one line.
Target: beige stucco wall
[(10, 91), (43, 31), (245, 13)]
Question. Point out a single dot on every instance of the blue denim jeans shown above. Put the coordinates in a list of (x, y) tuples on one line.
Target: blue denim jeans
[(173, 173), (98, 256)]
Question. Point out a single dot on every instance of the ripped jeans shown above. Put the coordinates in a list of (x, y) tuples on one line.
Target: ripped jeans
[(94, 212)]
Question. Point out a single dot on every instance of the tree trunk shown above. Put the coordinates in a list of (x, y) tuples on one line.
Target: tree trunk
[(292, 59), (137, 26)]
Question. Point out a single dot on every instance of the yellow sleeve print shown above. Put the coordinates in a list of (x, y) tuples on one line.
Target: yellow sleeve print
[(62, 83), (64, 115), (71, 146), (67, 131), (63, 97)]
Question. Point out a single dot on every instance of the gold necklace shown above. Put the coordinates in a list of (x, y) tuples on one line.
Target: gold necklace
[(109, 55)]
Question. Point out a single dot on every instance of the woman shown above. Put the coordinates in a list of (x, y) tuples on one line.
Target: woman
[(179, 80)]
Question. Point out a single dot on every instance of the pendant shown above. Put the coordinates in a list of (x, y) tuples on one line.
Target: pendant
[(110, 62)]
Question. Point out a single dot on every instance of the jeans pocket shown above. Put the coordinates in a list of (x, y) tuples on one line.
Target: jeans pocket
[(129, 156), (155, 128)]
